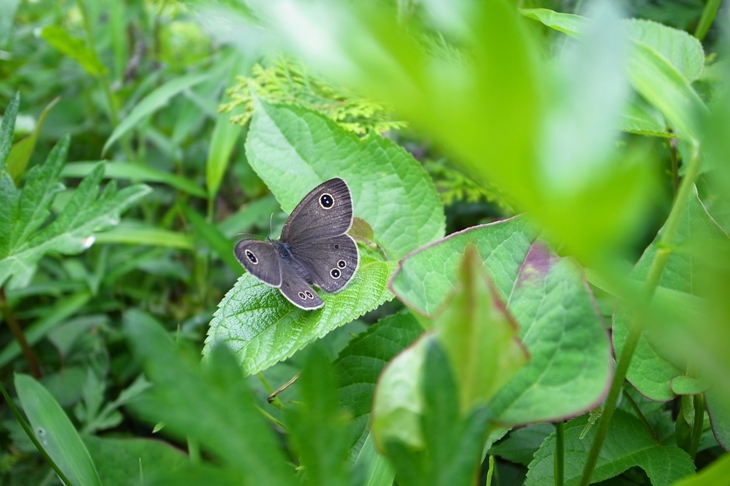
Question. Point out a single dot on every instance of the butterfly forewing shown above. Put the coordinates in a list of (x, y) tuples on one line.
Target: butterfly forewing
[(260, 259), (326, 211), (330, 262), (298, 291)]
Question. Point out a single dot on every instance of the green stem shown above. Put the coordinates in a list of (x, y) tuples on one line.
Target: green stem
[(19, 336), (666, 240), (699, 405), (559, 457), (708, 16), (26, 427), (641, 416)]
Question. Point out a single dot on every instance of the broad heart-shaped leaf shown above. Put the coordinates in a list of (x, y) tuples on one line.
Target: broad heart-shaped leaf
[(22, 212), (294, 149), (208, 403), (652, 368), (55, 432), (361, 362), (261, 327), (570, 366), (627, 444)]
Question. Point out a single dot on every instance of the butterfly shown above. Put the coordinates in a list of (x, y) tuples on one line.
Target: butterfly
[(314, 248)]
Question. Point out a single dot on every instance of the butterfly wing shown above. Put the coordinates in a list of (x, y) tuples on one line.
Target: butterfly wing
[(260, 259), (330, 262), (297, 290), (326, 211)]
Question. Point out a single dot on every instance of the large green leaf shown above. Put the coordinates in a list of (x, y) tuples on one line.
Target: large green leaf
[(262, 327), (293, 150), (628, 443), (529, 280), (653, 365), (23, 212), (75, 48), (6, 129), (55, 432)]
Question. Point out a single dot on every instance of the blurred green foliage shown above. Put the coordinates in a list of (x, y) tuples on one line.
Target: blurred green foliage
[(181, 125)]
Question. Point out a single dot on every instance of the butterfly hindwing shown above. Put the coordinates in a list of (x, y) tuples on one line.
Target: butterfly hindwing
[(326, 211), (330, 262), (260, 259), (297, 290)]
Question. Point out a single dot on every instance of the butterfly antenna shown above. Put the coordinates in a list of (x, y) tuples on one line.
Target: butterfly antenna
[(271, 224)]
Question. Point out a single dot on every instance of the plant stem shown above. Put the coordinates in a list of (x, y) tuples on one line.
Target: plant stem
[(699, 405), (639, 414), (19, 336), (666, 240), (708, 16), (559, 456)]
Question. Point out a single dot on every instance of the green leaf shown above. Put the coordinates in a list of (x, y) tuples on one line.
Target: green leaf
[(232, 429), (261, 327), (425, 278), (653, 365), (478, 335), (662, 65), (6, 130), (378, 470), (529, 279), (139, 233), (521, 444), (628, 444), (452, 440), (75, 48), (120, 461), (362, 361), (318, 428), (23, 212), (153, 102), (715, 473), (19, 156), (293, 150), (719, 416), (134, 172), (55, 432)]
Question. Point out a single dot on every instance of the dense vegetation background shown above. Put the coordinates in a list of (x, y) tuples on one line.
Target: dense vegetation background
[(542, 194)]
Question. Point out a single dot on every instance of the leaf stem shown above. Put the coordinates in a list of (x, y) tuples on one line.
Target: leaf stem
[(559, 456), (641, 416), (664, 250), (708, 16), (18, 335), (699, 405)]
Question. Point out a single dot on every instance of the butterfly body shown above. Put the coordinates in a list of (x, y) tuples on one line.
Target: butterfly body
[(314, 248)]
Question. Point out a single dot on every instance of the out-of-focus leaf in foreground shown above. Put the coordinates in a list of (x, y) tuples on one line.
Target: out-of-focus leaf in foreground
[(231, 429)]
